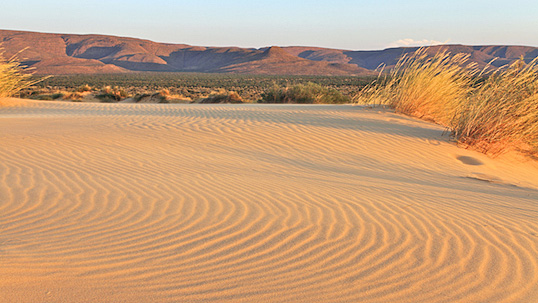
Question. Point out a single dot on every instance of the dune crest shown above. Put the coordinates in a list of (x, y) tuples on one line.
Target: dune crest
[(256, 203)]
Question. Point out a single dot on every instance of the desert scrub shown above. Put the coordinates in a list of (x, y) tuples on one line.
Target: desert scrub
[(303, 93), (83, 88), (151, 98), (502, 113), (491, 113), (109, 94), (226, 97), (194, 86), (12, 77)]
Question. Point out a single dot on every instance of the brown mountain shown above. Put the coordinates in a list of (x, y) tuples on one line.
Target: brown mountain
[(276, 60), (81, 54)]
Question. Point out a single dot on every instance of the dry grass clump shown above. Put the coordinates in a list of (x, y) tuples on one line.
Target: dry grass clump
[(111, 94), (502, 112), (83, 88), (151, 98), (493, 116), (73, 96), (12, 77), (431, 88)]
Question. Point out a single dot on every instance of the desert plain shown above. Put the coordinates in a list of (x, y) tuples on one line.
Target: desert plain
[(256, 203)]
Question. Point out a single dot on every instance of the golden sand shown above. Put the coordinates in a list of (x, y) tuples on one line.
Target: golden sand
[(256, 203)]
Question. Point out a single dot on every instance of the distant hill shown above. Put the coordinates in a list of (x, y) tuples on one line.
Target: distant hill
[(85, 54)]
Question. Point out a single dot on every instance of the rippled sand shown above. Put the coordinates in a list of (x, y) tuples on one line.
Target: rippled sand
[(256, 203)]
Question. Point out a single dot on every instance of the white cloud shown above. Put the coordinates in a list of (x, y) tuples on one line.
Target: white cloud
[(411, 42)]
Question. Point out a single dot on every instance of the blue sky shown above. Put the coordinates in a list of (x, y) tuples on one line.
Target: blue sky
[(355, 25)]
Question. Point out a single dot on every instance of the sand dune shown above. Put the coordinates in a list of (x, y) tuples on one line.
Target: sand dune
[(256, 203)]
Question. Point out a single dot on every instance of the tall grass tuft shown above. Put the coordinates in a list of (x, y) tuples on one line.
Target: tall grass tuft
[(428, 87), (12, 77), (492, 116), (502, 113)]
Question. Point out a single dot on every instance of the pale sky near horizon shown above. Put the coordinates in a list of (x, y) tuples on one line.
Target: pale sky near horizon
[(346, 24)]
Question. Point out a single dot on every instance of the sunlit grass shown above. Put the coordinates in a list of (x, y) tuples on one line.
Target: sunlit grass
[(502, 112), (492, 116), (431, 88), (12, 77)]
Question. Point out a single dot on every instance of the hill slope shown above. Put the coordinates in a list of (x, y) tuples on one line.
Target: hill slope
[(82, 54)]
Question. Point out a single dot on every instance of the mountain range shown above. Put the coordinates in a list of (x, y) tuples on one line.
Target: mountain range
[(57, 54)]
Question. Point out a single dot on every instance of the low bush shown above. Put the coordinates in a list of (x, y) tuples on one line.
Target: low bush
[(73, 96), (229, 97), (303, 93), (150, 98), (83, 88), (57, 96), (109, 94)]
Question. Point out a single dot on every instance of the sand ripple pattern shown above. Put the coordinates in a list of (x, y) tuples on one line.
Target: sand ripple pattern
[(252, 203)]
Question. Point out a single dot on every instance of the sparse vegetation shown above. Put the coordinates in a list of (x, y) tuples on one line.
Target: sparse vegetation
[(111, 94), (227, 97), (303, 93), (185, 87), (83, 88), (492, 115), (151, 98)]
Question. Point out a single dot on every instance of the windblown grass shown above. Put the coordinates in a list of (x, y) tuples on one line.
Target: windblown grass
[(502, 112), (493, 116), (431, 88), (12, 77)]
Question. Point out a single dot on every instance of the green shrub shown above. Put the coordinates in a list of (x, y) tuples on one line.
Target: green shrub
[(57, 96), (151, 98), (229, 97)]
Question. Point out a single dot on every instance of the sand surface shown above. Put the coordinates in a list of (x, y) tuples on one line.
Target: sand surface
[(256, 203)]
